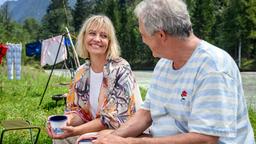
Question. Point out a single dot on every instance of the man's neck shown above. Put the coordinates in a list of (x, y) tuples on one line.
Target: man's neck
[(182, 50)]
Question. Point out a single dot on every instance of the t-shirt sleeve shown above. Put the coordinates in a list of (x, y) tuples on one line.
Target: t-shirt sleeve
[(214, 106)]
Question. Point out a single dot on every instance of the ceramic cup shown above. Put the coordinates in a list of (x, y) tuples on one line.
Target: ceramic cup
[(58, 121)]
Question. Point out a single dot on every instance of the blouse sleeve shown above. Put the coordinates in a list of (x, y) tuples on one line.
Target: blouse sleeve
[(120, 102), (71, 96)]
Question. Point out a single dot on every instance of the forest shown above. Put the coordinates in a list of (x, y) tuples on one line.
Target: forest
[(228, 24)]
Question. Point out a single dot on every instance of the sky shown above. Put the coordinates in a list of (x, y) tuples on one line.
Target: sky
[(2, 1)]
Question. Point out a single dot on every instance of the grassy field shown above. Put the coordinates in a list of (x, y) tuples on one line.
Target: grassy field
[(19, 99)]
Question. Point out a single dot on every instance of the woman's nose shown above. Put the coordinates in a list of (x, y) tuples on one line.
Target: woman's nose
[(97, 37)]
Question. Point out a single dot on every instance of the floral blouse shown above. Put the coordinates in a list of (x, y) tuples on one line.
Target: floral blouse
[(118, 88)]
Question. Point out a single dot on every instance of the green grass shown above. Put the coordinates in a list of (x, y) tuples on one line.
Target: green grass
[(19, 99), (252, 116), (143, 92)]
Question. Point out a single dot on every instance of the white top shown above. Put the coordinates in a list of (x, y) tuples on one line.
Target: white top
[(95, 84)]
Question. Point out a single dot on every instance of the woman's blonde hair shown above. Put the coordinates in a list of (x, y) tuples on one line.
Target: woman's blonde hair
[(98, 22)]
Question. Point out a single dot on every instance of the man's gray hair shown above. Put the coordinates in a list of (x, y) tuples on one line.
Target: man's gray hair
[(170, 16)]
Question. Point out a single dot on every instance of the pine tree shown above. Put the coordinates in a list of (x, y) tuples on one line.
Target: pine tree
[(32, 27), (239, 30), (58, 17), (249, 28), (203, 18), (217, 29), (83, 9), (125, 23)]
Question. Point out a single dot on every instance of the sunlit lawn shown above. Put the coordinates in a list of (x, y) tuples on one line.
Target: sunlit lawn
[(19, 99)]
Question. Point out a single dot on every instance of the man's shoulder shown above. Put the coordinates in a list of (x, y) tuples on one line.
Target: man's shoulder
[(212, 51), (213, 56)]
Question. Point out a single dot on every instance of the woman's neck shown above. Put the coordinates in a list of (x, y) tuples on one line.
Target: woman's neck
[(97, 63)]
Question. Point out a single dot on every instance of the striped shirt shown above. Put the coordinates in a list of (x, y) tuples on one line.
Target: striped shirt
[(204, 96)]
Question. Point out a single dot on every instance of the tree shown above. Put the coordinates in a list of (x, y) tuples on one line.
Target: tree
[(5, 20), (32, 27), (190, 5), (238, 30), (217, 29), (125, 23), (249, 28), (83, 8), (58, 17), (203, 18)]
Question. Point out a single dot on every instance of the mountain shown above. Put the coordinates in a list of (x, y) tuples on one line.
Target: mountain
[(20, 10)]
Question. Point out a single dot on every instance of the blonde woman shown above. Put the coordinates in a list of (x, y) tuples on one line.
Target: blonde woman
[(103, 92)]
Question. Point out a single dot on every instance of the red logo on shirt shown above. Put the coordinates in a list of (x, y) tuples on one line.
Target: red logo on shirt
[(183, 95)]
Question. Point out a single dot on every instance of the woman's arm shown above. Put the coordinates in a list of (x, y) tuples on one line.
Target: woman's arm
[(91, 126), (119, 104)]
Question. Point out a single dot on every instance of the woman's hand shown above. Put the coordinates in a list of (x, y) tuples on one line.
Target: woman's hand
[(68, 131), (49, 129), (73, 119)]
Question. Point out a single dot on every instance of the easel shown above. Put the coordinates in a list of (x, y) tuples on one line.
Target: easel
[(71, 69)]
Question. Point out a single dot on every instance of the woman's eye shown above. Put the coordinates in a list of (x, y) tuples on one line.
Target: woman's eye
[(92, 33), (103, 36)]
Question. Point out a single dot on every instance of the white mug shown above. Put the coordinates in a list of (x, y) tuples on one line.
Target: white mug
[(58, 121)]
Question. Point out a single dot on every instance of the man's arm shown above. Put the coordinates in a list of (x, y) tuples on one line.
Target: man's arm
[(186, 138), (136, 125), (141, 121)]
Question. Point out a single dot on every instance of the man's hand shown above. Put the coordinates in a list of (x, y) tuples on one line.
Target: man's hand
[(92, 135), (110, 139)]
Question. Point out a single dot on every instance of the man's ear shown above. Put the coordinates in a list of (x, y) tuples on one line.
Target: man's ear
[(162, 35)]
